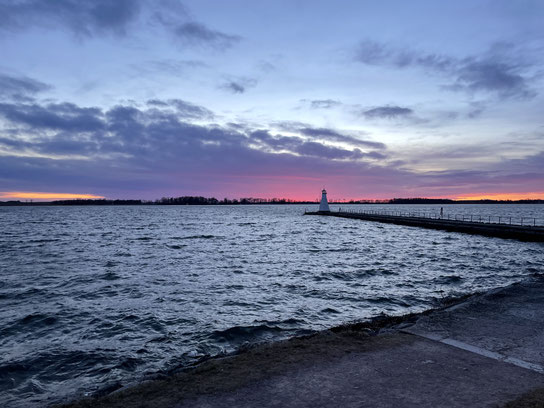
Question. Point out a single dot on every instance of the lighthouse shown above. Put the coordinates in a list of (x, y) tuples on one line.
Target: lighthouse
[(324, 205)]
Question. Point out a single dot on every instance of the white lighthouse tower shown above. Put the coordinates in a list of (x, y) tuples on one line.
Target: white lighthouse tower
[(324, 204)]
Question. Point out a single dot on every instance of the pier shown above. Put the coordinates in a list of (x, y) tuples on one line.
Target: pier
[(524, 229)]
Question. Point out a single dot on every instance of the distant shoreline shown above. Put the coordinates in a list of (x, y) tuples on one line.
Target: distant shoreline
[(189, 200), (215, 202)]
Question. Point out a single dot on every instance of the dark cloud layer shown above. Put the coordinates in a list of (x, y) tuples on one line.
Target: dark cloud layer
[(20, 88), (161, 132), (132, 151), (64, 117), (499, 71), (171, 144), (126, 147)]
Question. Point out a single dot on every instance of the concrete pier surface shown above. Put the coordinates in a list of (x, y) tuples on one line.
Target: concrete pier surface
[(484, 351), (521, 232)]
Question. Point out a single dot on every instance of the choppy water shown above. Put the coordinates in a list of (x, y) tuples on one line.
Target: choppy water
[(91, 296)]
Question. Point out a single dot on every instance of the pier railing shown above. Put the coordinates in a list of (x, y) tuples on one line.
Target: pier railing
[(484, 219)]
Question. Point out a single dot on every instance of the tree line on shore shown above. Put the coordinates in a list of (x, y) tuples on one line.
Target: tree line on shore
[(198, 200)]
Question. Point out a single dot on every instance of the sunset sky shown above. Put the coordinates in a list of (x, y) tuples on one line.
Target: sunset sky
[(369, 99)]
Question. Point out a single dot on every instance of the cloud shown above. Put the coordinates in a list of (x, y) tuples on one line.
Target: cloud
[(161, 131), (20, 88), (324, 103), (492, 76), (476, 109), (154, 148), (234, 87), (84, 18), (314, 142), (332, 135), (92, 18), (327, 135), (500, 71), (266, 66), (158, 150), (328, 152), (158, 103), (183, 109), (193, 33), (59, 116), (168, 66), (301, 146), (239, 86), (374, 53), (387, 112)]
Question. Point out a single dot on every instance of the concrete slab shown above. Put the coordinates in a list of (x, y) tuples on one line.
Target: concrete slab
[(507, 324), (415, 373)]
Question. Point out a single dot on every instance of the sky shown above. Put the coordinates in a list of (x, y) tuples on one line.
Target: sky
[(240, 98)]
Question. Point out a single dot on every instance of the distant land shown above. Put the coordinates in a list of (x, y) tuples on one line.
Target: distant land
[(191, 200)]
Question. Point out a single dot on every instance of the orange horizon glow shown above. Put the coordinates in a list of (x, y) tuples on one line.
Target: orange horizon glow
[(28, 195), (536, 195)]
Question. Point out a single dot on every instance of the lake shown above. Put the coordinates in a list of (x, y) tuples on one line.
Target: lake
[(91, 297)]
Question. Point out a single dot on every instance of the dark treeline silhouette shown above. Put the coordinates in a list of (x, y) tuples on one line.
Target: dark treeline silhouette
[(185, 200), (400, 201), (189, 200), (420, 200), (98, 202), (195, 200), (449, 201), (499, 202)]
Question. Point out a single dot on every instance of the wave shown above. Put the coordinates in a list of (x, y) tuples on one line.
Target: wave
[(176, 246), (329, 310), (198, 237), (109, 276), (241, 334), (31, 322), (55, 365), (38, 320), (265, 331), (448, 279)]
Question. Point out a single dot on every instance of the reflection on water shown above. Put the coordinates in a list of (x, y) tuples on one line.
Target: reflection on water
[(90, 296)]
